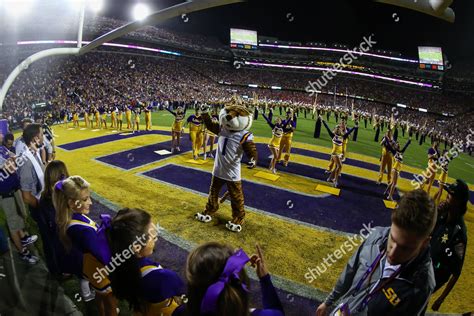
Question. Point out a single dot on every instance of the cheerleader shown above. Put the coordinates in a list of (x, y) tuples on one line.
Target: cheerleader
[(397, 167), (91, 112), (337, 137), (120, 117), (137, 110), (387, 157), (103, 116), (148, 288), (218, 283), (274, 144), (71, 200), (346, 140), (85, 113), (128, 116), (113, 117), (289, 126), (344, 128), (433, 156), (195, 131), (97, 117), (209, 136), (64, 115), (147, 111), (58, 260), (443, 177), (75, 117), (177, 127)]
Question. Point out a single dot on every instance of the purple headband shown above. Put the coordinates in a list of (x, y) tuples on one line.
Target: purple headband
[(59, 185), (233, 266)]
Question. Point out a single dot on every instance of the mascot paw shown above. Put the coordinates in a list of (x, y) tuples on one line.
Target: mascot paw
[(252, 163), (203, 218), (233, 227)]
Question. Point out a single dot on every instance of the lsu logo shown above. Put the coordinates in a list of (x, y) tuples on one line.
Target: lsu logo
[(391, 296)]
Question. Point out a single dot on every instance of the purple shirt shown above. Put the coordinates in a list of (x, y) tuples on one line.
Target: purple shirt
[(88, 237), (158, 284)]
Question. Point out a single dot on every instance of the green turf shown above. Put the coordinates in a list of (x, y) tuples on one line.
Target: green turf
[(415, 156)]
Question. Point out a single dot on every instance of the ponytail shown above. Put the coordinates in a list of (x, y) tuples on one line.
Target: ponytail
[(234, 300), (64, 191), (126, 228), (203, 268)]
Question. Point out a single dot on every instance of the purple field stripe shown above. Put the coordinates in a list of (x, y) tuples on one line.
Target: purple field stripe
[(263, 150), (140, 156), (343, 213), (346, 182), (107, 138), (173, 257)]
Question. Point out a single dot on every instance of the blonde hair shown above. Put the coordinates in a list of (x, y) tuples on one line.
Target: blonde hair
[(64, 191)]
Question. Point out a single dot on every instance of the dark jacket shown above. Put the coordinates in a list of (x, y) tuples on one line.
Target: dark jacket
[(407, 294), (448, 246)]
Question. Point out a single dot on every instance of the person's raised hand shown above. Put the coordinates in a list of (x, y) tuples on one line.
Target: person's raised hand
[(257, 261)]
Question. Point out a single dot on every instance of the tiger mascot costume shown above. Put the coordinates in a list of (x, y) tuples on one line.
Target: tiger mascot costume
[(233, 140)]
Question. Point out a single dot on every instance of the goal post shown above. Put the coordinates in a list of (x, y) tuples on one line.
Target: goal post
[(155, 18)]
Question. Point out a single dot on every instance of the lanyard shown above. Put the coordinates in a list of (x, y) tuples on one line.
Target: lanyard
[(369, 271), (372, 293)]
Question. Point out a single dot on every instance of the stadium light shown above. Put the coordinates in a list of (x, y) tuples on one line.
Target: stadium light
[(253, 85), (401, 105), (140, 11), (18, 7), (422, 110)]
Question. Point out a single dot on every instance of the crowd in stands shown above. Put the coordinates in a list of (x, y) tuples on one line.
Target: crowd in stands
[(103, 79), (99, 25), (460, 78)]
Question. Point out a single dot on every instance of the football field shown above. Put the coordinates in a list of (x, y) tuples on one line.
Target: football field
[(297, 218)]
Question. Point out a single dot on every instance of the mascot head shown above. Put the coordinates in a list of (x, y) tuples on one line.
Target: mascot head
[(235, 118)]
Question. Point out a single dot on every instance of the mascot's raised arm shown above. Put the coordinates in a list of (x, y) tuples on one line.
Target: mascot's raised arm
[(233, 140)]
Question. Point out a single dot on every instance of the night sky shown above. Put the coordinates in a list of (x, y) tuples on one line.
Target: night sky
[(330, 21)]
